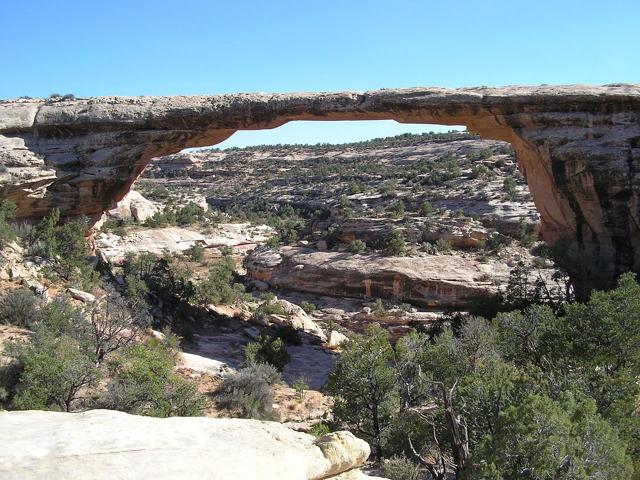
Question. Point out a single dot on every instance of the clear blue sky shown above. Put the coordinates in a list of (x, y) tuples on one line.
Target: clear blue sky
[(160, 47)]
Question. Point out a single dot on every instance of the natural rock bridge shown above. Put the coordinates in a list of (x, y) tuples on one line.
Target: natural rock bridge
[(578, 146)]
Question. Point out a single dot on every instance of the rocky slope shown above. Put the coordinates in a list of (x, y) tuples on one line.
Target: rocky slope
[(577, 145), (103, 444)]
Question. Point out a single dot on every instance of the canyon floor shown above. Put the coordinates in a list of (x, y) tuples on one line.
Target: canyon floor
[(318, 226)]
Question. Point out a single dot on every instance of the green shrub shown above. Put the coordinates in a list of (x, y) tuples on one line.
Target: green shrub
[(195, 252), (7, 214), (509, 186), (54, 372), (19, 307), (267, 349), (308, 307), (426, 209), (496, 242), (396, 209), (443, 246), (143, 383), (66, 243), (481, 171), (394, 243), (401, 468), (379, 308), (247, 393), (300, 385), (220, 286), (269, 307), (320, 430), (357, 246), (190, 213)]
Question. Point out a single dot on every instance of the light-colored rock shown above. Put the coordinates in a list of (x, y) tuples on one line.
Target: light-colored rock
[(342, 449), (336, 338), (134, 206), (199, 363), (113, 248), (36, 287), (300, 320), (85, 297), (103, 444)]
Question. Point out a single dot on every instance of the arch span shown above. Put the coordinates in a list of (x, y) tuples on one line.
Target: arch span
[(578, 146)]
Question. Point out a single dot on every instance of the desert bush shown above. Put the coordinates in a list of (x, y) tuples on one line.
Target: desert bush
[(357, 246), (401, 468), (54, 372), (481, 171), (190, 213), (66, 243), (394, 243), (496, 242), (308, 307), (363, 385), (19, 307), (114, 324), (267, 349), (7, 230), (269, 307), (142, 382), (509, 186), (300, 385), (396, 209), (221, 286), (426, 209), (248, 392), (442, 246), (320, 429), (195, 252)]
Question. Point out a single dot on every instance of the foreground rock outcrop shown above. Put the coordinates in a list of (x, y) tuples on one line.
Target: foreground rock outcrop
[(441, 281), (578, 146), (104, 444)]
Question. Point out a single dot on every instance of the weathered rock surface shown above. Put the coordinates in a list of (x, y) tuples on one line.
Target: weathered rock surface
[(578, 146), (177, 239), (103, 444), (134, 206), (432, 281)]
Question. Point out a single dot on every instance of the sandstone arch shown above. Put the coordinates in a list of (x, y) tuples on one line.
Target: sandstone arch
[(578, 146)]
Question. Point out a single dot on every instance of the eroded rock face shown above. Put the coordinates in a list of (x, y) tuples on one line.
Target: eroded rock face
[(433, 281), (104, 444), (578, 146)]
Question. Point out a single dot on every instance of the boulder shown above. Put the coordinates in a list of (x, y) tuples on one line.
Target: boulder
[(299, 319), (84, 297), (336, 339), (104, 444), (134, 206)]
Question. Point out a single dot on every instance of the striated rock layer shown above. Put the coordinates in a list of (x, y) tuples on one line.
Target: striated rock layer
[(441, 281), (104, 444), (578, 146)]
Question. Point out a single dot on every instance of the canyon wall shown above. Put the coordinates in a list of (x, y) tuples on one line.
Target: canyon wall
[(578, 146)]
